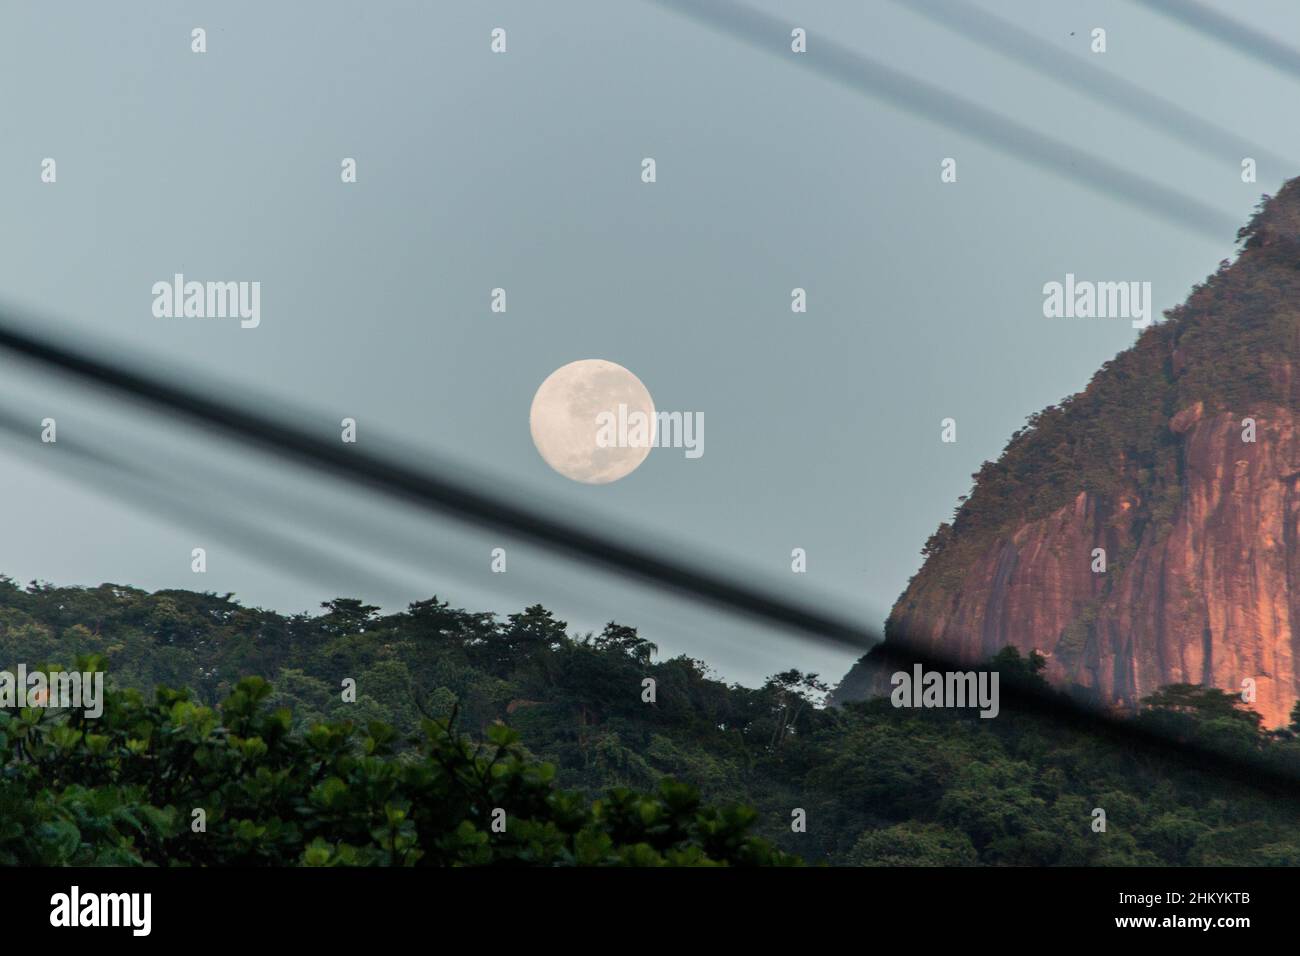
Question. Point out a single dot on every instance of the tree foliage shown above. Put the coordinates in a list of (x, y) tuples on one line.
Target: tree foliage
[(288, 771)]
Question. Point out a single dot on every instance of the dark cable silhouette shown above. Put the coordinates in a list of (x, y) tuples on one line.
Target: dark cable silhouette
[(441, 494), (432, 491)]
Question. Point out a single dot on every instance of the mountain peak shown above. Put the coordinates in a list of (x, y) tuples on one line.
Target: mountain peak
[(1145, 531), (1278, 218)]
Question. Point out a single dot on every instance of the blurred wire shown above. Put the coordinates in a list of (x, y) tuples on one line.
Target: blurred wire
[(857, 72), (443, 494), (1004, 37), (144, 492), (430, 488), (1225, 29)]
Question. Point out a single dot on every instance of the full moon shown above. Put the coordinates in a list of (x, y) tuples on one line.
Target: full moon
[(564, 424)]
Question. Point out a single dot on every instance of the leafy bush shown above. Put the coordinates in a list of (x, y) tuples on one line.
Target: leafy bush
[(128, 788)]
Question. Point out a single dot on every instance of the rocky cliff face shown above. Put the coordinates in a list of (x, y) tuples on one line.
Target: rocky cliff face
[(1181, 465)]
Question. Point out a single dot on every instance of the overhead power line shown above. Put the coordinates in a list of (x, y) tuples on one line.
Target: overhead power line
[(441, 493), (855, 71), (1225, 29), (1007, 39), (430, 490)]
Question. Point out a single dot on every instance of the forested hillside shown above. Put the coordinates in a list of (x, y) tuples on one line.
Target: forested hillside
[(876, 785)]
